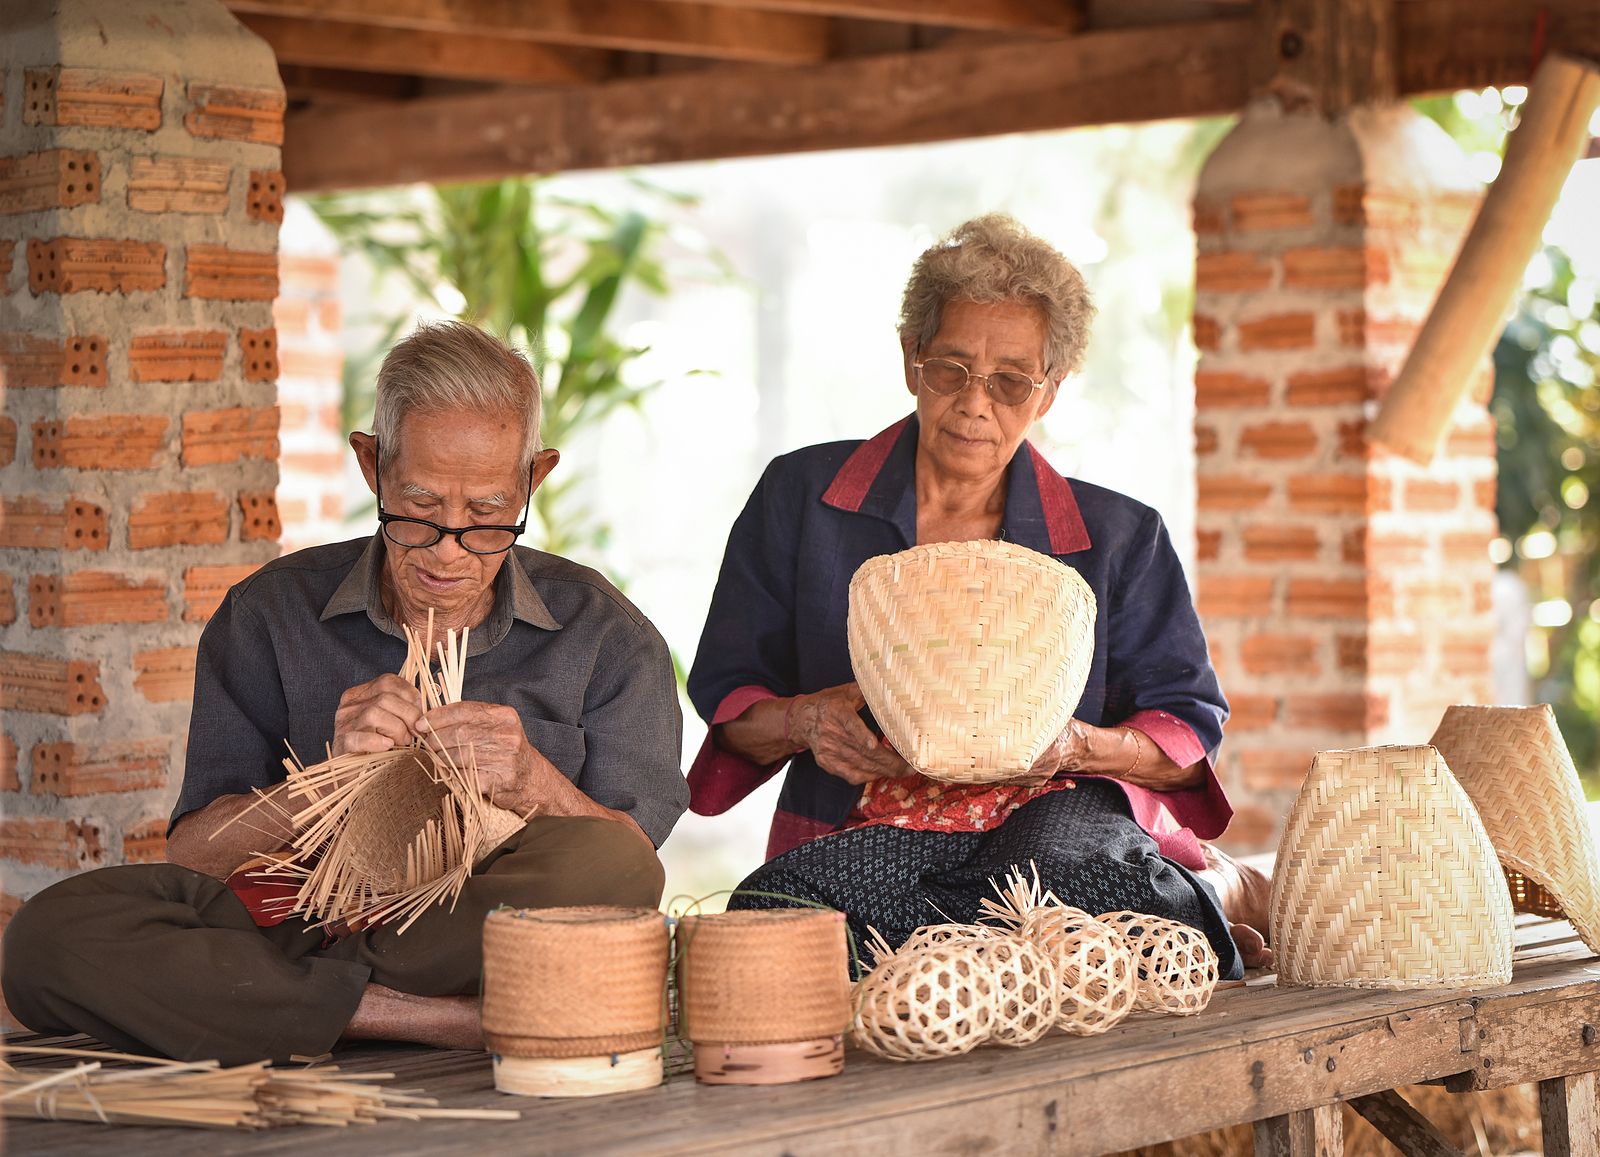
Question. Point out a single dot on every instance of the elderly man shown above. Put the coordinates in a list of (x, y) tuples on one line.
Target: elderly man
[(569, 708)]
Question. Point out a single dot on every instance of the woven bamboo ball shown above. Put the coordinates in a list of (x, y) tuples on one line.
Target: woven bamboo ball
[(1098, 981), (935, 935), (935, 1002), (1176, 964), (1026, 998)]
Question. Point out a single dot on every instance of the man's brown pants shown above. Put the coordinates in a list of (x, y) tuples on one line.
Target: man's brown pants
[(160, 958)]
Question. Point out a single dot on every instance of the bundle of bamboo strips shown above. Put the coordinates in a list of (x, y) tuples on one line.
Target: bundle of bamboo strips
[(383, 836), (122, 1089)]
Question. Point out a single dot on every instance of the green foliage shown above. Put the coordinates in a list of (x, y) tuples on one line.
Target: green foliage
[(541, 271), (1546, 407), (1547, 412)]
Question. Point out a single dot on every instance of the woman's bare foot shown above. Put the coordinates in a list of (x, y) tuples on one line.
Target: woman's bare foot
[(445, 1022), (1245, 893)]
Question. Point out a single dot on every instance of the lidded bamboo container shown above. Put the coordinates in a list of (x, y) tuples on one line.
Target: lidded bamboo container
[(764, 995), (574, 999), (1386, 878), (971, 655), (1515, 766)]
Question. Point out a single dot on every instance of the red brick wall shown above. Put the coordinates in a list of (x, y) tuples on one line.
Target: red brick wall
[(138, 446), (1345, 592)]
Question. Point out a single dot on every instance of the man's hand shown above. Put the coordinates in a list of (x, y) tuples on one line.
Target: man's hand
[(377, 716), (826, 723), (511, 772)]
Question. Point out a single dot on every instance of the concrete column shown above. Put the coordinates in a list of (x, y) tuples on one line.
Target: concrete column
[(140, 197), (1345, 592)]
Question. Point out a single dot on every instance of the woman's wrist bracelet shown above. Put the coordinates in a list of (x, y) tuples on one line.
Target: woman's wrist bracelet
[(1138, 752)]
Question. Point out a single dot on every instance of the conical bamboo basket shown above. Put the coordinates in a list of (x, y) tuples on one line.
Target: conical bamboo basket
[(1515, 766), (1386, 878), (971, 655)]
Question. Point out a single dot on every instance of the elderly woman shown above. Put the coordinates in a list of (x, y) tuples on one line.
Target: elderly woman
[(992, 322)]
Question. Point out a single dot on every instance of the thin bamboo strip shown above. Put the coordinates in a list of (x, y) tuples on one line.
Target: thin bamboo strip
[(153, 1091)]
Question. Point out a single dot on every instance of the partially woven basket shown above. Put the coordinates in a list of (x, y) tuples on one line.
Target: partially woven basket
[(1385, 878), (971, 655), (1515, 766), (772, 977), (564, 984), (410, 828)]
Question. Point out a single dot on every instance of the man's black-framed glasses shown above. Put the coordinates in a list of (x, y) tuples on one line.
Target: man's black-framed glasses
[(419, 532), (948, 376)]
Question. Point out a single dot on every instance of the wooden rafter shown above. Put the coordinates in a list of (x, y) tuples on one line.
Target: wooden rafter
[(369, 48), (1045, 16), (1126, 75), (687, 29)]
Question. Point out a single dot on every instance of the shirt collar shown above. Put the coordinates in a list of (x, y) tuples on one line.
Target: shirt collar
[(514, 598), (879, 479)]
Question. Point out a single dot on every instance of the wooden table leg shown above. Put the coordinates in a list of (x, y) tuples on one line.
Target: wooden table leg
[(1569, 1108), (1315, 1132), (1407, 1130)]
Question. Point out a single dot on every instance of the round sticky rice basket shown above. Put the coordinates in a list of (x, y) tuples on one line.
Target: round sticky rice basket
[(574, 1000), (764, 995), (971, 655)]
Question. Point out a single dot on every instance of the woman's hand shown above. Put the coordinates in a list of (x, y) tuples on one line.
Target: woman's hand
[(1124, 753), (827, 724)]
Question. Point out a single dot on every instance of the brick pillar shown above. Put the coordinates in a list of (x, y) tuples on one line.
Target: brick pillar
[(137, 271), (311, 470), (1345, 592)]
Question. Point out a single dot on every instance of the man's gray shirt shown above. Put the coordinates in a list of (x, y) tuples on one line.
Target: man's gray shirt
[(589, 675)]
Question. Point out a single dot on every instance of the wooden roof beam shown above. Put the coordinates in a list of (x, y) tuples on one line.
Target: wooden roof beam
[(686, 29), (368, 48), (1046, 16), (1139, 74)]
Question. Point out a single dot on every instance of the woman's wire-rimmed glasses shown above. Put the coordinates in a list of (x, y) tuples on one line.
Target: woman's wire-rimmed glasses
[(419, 532), (945, 376)]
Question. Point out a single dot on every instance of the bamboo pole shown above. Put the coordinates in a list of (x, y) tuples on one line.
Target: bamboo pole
[(1468, 315)]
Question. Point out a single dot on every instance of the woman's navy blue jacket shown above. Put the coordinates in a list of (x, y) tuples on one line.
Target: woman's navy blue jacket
[(777, 622)]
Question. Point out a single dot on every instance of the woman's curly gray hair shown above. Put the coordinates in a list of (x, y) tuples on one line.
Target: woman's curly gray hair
[(450, 365), (993, 259)]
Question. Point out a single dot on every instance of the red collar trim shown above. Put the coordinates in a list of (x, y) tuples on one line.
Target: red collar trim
[(849, 487), (1062, 517)]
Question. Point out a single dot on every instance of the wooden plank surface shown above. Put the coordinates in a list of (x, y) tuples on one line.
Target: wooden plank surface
[(1256, 1052), (687, 29), (899, 98)]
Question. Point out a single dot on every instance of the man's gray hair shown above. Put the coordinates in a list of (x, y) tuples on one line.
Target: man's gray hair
[(447, 366), (993, 259)]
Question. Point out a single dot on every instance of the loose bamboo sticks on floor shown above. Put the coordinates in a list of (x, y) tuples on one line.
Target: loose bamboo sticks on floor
[(120, 1089)]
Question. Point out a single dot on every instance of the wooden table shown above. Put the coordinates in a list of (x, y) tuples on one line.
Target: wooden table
[(1280, 1057)]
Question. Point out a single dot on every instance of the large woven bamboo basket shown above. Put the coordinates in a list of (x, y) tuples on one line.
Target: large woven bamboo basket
[(1386, 878), (1515, 766), (971, 655)]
